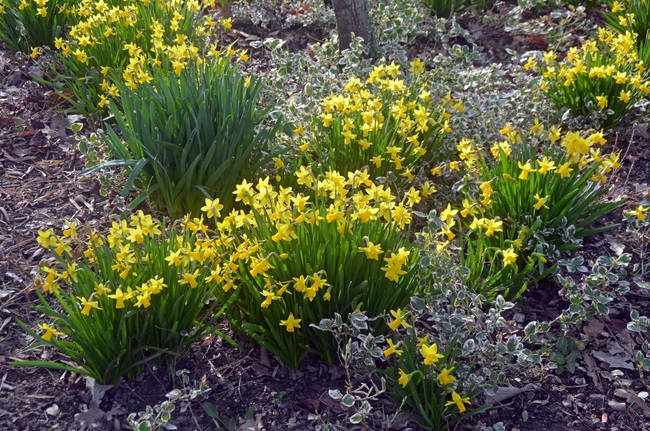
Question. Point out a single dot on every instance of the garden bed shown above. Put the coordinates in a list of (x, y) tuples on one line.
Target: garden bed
[(589, 379)]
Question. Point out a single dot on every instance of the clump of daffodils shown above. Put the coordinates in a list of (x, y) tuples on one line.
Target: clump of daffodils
[(521, 205), (138, 293), (30, 25), (125, 42), (384, 122), (630, 15), (601, 80), (291, 257)]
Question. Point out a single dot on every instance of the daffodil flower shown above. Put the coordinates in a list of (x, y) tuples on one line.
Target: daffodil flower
[(430, 354), (397, 314), (509, 256), (403, 378), (291, 323), (444, 377), (392, 349), (49, 331), (459, 401)]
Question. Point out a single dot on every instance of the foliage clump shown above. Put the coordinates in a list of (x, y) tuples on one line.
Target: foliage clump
[(117, 301), (601, 81), (383, 125), (191, 136), (292, 257), (523, 202), (126, 42)]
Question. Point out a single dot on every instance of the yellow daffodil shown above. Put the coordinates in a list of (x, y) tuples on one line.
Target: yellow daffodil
[(536, 127), (47, 238), (509, 256), (625, 96), (540, 202), (492, 226), (430, 354), (526, 169), (87, 305), (564, 170), (444, 377), (448, 214), (291, 323), (49, 331), (545, 165), (639, 212), (417, 66), (458, 401), (174, 258), (428, 189), (212, 208), (190, 278), (530, 64), (119, 297), (404, 378), (392, 349), (372, 250), (399, 320)]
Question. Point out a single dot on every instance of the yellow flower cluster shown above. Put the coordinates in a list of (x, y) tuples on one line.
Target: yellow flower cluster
[(430, 358), (275, 218), (575, 152), (128, 41), (579, 148), (126, 243), (389, 124), (41, 7), (609, 65)]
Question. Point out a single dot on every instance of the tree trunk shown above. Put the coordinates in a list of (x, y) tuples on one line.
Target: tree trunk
[(352, 17)]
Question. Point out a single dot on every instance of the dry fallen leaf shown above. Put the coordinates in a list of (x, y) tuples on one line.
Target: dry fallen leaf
[(97, 391), (617, 405), (634, 400), (90, 417), (592, 370), (614, 245), (614, 361), (594, 328), (252, 424), (504, 393)]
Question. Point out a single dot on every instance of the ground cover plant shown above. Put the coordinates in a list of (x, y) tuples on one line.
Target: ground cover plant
[(402, 235)]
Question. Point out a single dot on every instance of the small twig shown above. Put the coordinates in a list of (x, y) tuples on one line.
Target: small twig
[(627, 150), (20, 244), (574, 386), (196, 421)]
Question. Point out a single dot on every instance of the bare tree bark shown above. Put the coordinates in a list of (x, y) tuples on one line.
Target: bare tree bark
[(352, 17)]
